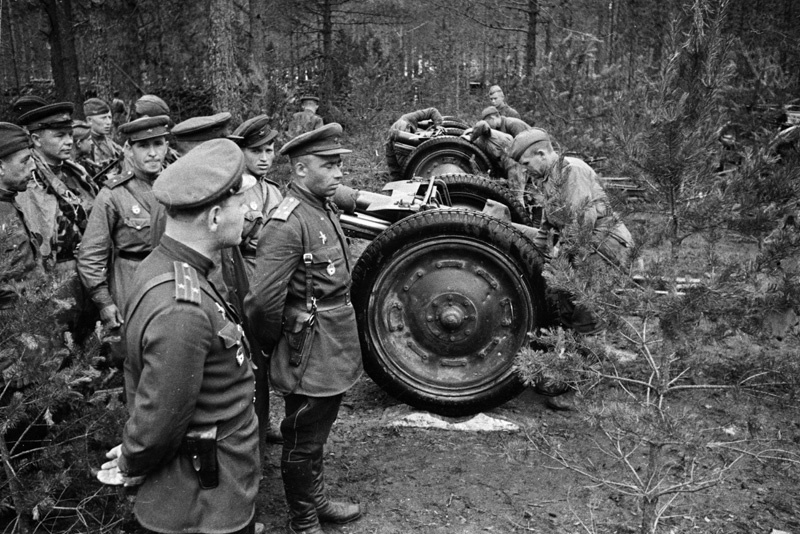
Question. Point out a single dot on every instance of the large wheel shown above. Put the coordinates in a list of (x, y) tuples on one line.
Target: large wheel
[(445, 300), (450, 121), (444, 155), (472, 192)]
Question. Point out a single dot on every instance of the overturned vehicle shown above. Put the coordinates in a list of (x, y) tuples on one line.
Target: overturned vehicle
[(447, 290)]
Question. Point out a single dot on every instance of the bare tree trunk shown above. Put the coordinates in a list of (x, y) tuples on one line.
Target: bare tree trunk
[(63, 56), (23, 519), (530, 41), (223, 71), (327, 50)]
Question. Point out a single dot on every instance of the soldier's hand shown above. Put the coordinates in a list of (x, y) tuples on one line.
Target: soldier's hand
[(110, 474), (111, 317)]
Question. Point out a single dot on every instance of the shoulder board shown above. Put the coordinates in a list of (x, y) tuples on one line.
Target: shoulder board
[(285, 208), (187, 283), (119, 179)]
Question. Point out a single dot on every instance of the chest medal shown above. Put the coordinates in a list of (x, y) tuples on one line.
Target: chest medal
[(331, 268), (322, 237), (136, 209)]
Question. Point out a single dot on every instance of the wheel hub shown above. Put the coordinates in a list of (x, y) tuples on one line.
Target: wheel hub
[(450, 316)]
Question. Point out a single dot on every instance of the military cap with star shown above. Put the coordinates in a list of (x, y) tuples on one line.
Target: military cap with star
[(254, 133), (309, 97), (208, 173), (56, 116), (525, 140), (95, 106), (203, 128), (13, 138), (145, 128), (324, 141)]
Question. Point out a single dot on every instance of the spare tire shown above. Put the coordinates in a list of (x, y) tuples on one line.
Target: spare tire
[(449, 121), (445, 300), (472, 192), (445, 155)]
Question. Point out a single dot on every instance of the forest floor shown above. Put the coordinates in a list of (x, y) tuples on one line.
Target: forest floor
[(436, 481)]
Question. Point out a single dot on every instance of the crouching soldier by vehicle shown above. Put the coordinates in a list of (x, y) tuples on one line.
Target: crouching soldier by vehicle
[(299, 307), (191, 440)]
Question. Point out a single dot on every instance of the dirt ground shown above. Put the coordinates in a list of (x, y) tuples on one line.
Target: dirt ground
[(443, 481)]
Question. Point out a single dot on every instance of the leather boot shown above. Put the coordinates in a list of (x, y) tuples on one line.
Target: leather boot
[(298, 483), (329, 511)]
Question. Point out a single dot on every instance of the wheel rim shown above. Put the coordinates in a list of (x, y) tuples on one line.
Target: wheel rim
[(442, 163), (448, 317)]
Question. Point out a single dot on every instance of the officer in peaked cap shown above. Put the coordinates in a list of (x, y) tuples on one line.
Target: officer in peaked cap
[(56, 207), (105, 152), (188, 376), (257, 141), (196, 130), (118, 233), (300, 298)]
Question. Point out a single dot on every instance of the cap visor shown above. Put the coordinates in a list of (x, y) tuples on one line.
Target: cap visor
[(332, 152)]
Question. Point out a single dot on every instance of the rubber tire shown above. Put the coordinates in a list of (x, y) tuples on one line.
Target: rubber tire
[(471, 192), (488, 249), (450, 121), (445, 146)]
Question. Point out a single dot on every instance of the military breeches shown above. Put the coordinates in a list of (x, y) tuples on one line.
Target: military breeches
[(307, 424)]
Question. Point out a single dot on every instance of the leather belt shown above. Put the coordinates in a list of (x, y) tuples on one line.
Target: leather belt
[(330, 303)]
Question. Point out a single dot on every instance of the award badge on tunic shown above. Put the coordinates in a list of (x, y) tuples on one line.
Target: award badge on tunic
[(240, 355), (322, 237), (254, 205), (331, 268), (136, 209)]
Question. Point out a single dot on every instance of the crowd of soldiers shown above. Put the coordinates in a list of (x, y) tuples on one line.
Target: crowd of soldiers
[(218, 283)]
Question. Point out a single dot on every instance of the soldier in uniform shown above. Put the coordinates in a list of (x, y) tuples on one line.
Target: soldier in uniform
[(82, 149), (149, 106), (307, 119), (191, 439), (299, 308), (24, 104), (485, 135), (257, 141), (498, 100), (56, 207), (407, 123), (105, 152), (117, 237), (19, 248), (572, 193)]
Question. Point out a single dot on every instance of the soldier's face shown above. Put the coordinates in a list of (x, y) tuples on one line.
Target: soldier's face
[(16, 170), (83, 147), (100, 124), (322, 174), (147, 156), (54, 145), (496, 99), (258, 160), (536, 160), (493, 121), (226, 220)]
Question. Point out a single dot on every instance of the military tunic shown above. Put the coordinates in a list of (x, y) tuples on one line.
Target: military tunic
[(261, 201), (18, 246), (117, 235), (304, 121), (104, 152), (305, 224), (571, 190), (507, 111), (187, 367)]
